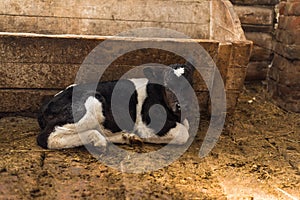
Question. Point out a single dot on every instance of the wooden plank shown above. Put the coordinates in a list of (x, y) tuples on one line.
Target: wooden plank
[(36, 49), (240, 54), (258, 28), (129, 10), (52, 62), (105, 18), (225, 25), (261, 54), (51, 25), (260, 39), (255, 15), (22, 100), (257, 70), (235, 78), (255, 2), (231, 101), (37, 75), (23, 49), (223, 61)]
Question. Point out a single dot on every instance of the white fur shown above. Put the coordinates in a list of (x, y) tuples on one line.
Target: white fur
[(140, 127), (88, 127), (179, 72), (177, 135), (180, 134)]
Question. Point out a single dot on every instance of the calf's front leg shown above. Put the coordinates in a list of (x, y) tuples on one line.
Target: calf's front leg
[(178, 135)]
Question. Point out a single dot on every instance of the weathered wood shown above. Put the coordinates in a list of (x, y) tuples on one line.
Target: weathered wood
[(225, 26), (105, 18), (255, 15), (255, 2), (128, 10), (36, 75), (23, 100), (33, 66), (258, 28), (51, 25), (257, 70), (223, 61), (239, 60), (261, 54), (240, 54), (262, 48), (40, 49), (235, 78), (52, 62), (263, 40), (73, 50)]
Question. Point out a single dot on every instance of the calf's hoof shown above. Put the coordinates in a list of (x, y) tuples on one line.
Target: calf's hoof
[(132, 139)]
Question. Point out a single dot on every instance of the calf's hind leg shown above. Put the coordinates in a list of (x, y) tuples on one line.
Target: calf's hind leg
[(65, 138)]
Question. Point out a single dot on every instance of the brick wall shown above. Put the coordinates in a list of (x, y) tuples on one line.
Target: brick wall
[(284, 75), (258, 20)]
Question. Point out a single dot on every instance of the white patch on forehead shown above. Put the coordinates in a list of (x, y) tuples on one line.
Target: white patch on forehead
[(179, 72)]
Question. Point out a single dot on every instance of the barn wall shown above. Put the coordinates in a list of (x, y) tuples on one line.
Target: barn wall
[(284, 76), (98, 17), (258, 20), (34, 66)]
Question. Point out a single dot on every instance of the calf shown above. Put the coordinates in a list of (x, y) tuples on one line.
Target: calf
[(68, 122)]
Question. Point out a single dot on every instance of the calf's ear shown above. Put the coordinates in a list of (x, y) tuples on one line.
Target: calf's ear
[(154, 73), (189, 68)]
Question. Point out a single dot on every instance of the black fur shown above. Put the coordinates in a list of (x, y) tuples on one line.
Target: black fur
[(58, 111)]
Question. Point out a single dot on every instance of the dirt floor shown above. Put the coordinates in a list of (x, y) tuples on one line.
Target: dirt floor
[(257, 157)]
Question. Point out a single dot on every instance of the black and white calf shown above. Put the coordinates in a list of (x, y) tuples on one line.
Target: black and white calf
[(94, 119)]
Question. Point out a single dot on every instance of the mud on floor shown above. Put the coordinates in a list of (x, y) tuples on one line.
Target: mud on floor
[(257, 157)]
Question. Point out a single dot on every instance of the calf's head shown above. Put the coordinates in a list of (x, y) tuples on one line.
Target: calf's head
[(177, 80)]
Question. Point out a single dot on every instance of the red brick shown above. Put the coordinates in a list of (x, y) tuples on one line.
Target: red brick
[(292, 8), (288, 93), (281, 7), (285, 72), (289, 22), (291, 52), (288, 36)]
